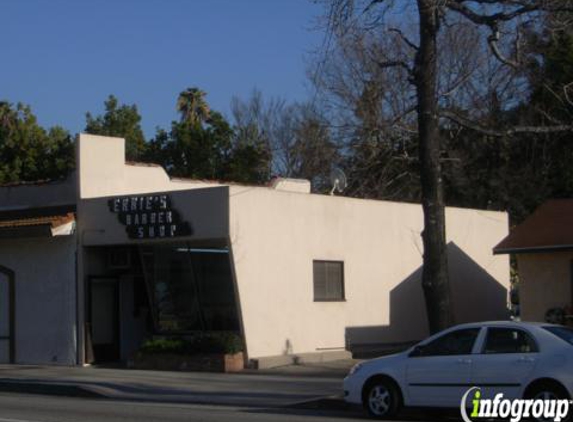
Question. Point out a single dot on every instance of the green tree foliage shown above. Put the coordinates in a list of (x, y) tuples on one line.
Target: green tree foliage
[(313, 151), (551, 77), (381, 163), (193, 150), (203, 145), (519, 173), (298, 136), (248, 160), (383, 169), (28, 152), (122, 121)]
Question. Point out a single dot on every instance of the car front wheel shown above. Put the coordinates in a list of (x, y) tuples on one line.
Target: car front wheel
[(381, 399)]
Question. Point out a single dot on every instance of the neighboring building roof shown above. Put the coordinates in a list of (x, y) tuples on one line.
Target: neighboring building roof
[(53, 221), (38, 194), (549, 228), (37, 222), (141, 164), (27, 183)]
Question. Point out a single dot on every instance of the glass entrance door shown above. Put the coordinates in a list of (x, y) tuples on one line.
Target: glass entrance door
[(104, 319)]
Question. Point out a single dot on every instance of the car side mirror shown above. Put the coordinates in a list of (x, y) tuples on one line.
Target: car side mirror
[(417, 351)]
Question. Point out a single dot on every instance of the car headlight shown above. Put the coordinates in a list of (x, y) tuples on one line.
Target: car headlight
[(355, 369)]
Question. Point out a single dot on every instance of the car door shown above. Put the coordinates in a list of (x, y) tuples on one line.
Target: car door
[(505, 361), (438, 372)]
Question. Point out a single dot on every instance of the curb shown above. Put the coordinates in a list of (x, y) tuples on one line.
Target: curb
[(323, 403), (48, 389), (328, 403)]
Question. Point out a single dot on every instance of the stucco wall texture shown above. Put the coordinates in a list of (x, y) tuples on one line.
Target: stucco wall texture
[(45, 298), (544, 283), (275, 237)]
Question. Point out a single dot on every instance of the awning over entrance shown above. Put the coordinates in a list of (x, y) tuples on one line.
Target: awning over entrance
[(38, 222)]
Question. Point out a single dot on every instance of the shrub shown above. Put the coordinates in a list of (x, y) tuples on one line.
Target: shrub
[(164, 345), (229, 343)]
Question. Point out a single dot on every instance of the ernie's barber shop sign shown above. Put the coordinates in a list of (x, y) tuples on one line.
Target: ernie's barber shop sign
[(149, 217)]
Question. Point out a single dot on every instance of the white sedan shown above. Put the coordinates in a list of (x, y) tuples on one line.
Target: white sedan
[(518, 359)]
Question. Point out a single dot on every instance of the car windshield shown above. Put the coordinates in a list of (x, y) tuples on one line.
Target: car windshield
[(564, 333)]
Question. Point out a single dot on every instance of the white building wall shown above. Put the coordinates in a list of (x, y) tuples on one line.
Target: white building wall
[(276, 236), (103, 171), (45, 298)]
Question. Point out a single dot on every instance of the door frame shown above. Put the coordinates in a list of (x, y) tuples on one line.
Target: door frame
[(116, 314), (11, 313), (570, 284)]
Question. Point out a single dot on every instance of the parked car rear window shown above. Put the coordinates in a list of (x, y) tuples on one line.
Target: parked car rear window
[(564, 333), (508, 340), (459, 342)]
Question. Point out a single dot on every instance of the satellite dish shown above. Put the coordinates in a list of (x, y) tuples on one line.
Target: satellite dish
[(337, 180)]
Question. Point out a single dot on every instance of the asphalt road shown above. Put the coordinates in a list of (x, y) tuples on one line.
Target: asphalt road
[(33, 408)]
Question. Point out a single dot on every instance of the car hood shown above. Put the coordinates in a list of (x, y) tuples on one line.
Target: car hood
[(385, 360)]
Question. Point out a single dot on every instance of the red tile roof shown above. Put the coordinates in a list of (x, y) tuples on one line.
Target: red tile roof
[(53, 221), (47, 216), (549, 228)]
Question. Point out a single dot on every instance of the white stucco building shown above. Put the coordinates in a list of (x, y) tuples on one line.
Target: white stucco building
[(120, 252)]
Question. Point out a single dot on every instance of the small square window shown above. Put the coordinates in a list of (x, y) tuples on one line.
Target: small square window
[(328, 279)]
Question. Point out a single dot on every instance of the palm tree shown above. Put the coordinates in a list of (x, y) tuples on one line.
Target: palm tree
[(192, 106)]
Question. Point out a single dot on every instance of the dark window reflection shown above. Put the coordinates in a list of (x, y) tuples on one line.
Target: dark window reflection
[(191, 288)]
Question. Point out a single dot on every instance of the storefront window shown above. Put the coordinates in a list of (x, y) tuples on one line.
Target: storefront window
[(191, 288)]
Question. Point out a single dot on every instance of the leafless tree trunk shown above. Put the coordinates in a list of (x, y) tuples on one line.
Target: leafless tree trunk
[(435, 271)]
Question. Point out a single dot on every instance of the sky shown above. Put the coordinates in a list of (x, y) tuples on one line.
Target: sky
[(64, 57)]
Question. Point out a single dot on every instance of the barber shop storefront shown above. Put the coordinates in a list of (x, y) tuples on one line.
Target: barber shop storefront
[(147, 274), (167, 289), (94, 267)]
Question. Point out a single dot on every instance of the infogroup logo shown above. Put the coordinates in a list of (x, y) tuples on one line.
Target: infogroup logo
[(516, 410)]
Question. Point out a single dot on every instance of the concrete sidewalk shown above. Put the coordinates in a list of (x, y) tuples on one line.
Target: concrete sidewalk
[(280, 387)]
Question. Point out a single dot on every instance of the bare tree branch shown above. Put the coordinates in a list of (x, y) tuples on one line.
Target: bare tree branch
[(394, 63), (404, 38), (566, 90), (495, 18), (499, 133), (372, 4), (492, 41), (548, 116)]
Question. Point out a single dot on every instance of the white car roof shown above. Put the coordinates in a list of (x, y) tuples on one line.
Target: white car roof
[(522, 324)]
